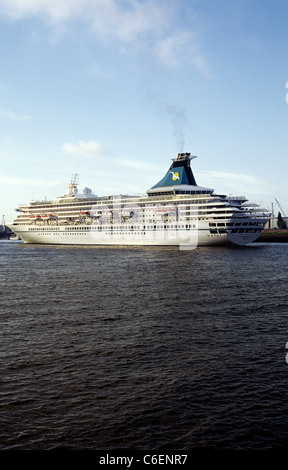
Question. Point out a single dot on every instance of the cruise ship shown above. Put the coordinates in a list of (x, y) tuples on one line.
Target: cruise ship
[(175, 211)]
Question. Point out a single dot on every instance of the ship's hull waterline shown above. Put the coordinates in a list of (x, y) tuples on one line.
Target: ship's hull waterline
[(175, 212), (80, 236)]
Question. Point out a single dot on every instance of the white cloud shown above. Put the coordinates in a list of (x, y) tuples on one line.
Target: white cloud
[(251, 42), (140, 165), (26, 182), (179, 48), (233, 183), (95, 70), (95, 150), (127, 24), (55, 10), (122, 19), (141, 25), (90, 149), (6, 113)]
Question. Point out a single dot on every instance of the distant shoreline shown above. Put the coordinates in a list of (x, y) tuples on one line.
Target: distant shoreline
[(273, 236)]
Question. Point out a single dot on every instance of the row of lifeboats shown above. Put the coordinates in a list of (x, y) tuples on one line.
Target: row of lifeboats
[(43, 216), (126, 213), (106, 213), (164, 209), (40, 219)]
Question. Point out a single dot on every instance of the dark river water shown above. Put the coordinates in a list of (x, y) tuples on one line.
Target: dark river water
[(143, 348)]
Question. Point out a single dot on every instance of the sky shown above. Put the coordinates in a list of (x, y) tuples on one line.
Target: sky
[(114, 89)]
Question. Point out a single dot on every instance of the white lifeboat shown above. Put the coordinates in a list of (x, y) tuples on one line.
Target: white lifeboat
[(126, 213), (164, 209)]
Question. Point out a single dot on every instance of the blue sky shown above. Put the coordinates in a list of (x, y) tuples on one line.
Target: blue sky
[(113, 89)]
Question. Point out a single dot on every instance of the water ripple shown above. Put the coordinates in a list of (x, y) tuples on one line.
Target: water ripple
[(143, 348)]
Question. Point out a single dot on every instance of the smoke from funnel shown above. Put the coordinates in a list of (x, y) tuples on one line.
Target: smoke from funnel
[(178, 119)]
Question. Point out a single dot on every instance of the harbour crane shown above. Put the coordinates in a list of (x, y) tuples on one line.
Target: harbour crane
[(280, 208), (283, 213)]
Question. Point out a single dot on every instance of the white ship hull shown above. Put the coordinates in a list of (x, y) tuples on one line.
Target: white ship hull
[(175, 212), (79, 235)]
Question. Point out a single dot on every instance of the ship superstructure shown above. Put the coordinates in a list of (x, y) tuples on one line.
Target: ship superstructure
[(175, 211)]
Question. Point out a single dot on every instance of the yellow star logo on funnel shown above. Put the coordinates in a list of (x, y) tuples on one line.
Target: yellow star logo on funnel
[(175, 176)]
